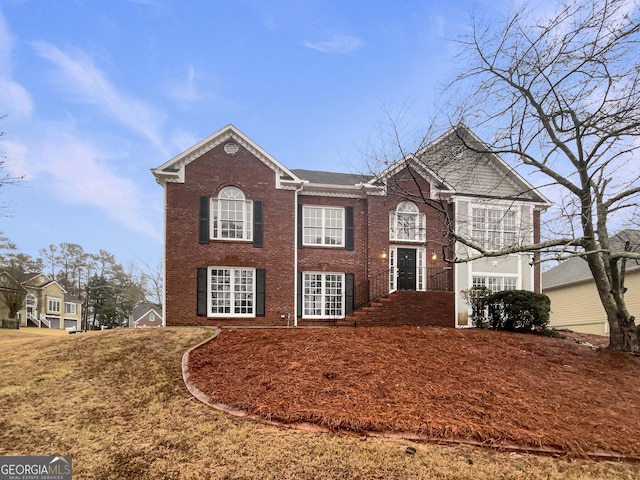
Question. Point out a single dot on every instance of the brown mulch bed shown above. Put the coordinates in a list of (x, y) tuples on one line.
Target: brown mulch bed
[(486, 386)]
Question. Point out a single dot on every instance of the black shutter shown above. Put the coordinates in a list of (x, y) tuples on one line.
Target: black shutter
[(299, 293), (260, 291), (203, 234), (348, 242), (202, 292), (299, 225), (349, 293), (257, 223)]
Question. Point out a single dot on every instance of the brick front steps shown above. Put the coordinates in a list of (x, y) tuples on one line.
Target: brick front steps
[(405, 307)]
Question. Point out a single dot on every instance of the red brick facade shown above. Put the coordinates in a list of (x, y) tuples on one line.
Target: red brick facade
[(209, 167)]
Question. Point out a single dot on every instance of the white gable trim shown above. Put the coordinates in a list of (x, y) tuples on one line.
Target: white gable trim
[(173, 170)]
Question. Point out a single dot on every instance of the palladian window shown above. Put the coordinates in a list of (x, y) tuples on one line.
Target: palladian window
[(406, 223), (232, 215)]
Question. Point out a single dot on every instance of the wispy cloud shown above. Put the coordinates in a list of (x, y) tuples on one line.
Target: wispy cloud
[(14, 98), (187, 91), (337, 43), (82, 78), (78, 172)]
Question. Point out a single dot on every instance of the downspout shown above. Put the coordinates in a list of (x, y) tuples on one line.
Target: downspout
[(164, 259), (295, 254)]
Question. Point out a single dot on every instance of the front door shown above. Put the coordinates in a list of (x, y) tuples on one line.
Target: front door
[(406, 269)]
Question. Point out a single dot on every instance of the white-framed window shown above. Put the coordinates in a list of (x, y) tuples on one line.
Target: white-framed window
[(70, 308), (231, 292), (495, 283), (322, 295), (31, 300), (152, 317), (323, 226), (493, 228), (232, 215), (406, 223), (53, 304)]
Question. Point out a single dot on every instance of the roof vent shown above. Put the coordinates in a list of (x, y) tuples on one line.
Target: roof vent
[(231, 148)]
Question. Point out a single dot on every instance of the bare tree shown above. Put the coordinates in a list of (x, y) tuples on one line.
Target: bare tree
[(7, 178), (561, 96), (151, 276)]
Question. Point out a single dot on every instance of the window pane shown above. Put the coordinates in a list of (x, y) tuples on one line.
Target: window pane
[(323, 295), (494, 284), (323, 226), (232, 291), (478, 226), (312, 220), (231, 215), (220, 291), (333, 227), (243, 291)]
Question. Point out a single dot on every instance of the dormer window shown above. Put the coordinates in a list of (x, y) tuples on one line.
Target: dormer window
[(232, 215), (406, 223)]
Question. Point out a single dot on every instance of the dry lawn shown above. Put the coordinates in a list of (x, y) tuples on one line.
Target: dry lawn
[(115, 401)]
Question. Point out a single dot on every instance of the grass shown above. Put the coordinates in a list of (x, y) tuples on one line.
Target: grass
[(116, 403)]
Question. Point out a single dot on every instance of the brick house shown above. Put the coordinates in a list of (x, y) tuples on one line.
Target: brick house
[(249, 241)]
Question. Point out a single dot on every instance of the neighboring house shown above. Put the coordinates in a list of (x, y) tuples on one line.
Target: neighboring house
[(47, 304), (575, 303), (249, 241), (146, 315)]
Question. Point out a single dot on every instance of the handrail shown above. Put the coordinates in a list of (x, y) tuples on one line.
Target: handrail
[(378, 285)]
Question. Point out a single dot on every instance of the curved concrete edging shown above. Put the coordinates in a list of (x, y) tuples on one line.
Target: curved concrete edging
[(310, 427)]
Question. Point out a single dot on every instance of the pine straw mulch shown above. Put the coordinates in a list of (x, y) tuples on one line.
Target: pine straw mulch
[(493, 387)]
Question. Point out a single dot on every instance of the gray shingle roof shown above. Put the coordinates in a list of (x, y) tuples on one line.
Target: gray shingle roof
[(142, 308), (576, 269), (331, 178)]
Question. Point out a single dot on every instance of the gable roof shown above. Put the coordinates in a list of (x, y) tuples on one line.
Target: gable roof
[(576, 269), (173, 170), (459, 158), (142, 309), (8, 283), (473, 173), (37, 280)]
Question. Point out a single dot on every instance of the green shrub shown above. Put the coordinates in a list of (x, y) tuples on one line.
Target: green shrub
[(518, 311)]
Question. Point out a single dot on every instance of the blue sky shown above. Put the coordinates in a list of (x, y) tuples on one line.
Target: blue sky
[(97, 93)]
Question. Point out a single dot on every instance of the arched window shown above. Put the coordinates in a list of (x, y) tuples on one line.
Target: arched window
[(406, 223), (232, 215)]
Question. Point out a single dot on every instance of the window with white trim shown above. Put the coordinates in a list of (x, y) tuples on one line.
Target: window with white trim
[(70, 308), (323, 226), (53, 304), (31, 300), (231, 292), (232, 215), (322, 295), (495, 283), (493, 228), (406, 223)]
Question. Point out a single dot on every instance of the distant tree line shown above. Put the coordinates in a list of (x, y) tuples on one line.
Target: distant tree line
[(109, 291)]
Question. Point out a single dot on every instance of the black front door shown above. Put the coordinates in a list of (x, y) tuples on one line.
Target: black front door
[(406, 269)]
